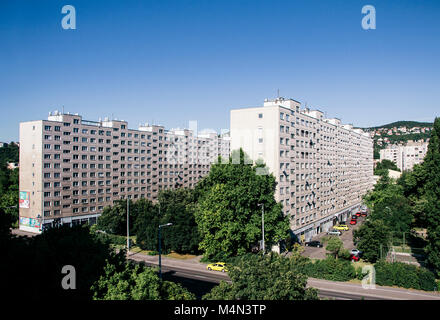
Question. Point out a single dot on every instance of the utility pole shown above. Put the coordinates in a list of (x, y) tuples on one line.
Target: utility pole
[(128, 226), (160, 249), (262, 225)]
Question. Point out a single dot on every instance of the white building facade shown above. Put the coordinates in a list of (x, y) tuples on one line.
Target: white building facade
[(405, 156), (71, 168), (322, 167)]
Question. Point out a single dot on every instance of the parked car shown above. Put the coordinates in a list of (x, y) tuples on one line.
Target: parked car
[(219, 266), (354, 217), (356, 252), (353, 221), (354, 257), (341, 227), (358, 214), (334, 233), (364, 214), (313, 244)]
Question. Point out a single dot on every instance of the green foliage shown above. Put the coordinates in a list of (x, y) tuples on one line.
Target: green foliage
[(257, 277), (147, 226), (402, 123), (385, 165), (9, 153), (114, 239), (331, 269), (388, 203), (228, 215), (335, 246), (413, 184), (136, 282), (114, 218), (178, 207), (404, 275), (9, 192), (369, 238), (432, 195)]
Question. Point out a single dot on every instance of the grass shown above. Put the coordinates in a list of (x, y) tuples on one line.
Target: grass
[(176, 255), (173, 255)]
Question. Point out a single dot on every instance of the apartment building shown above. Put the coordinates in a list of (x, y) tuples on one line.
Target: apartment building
[(405, 156), (322, 167), (71, 168)]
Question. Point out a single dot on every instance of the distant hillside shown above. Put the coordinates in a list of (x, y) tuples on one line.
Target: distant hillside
[(9, 153), (397, 124)]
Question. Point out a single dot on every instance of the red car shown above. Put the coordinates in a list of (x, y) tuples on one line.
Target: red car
[(354, 257), (353, 221), (363, 214), (358, 214)]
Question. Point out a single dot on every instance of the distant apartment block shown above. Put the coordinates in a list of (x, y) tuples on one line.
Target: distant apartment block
[(71, 168), (322, 167), (405, 156)]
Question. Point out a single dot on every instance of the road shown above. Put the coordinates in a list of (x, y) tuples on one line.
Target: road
[(194, 273)]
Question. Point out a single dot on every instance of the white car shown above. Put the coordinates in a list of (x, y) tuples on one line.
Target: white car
[(334, 233), (355, 252)]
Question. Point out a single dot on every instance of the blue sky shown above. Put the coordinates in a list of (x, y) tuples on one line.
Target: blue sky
[(175, 61)]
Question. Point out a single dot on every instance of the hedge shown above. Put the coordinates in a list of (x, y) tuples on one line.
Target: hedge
[(330, 269), (404, 275)]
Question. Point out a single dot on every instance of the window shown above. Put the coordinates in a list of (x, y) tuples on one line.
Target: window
[(260, 115)]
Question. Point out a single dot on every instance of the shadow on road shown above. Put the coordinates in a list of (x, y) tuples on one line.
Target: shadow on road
[(196, 286)]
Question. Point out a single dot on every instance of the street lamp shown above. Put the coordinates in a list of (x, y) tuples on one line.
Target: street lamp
[(262, 223), (128, 226), (160, 249)]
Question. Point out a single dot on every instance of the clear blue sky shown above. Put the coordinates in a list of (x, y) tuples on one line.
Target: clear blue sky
[(175, 61)]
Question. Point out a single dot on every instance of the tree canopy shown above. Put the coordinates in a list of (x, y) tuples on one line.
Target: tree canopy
[(227, 213), (257, 277), (370, 238), (432, 194), (136, 282)]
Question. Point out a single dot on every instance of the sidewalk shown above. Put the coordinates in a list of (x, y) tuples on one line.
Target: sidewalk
[(347, 287)]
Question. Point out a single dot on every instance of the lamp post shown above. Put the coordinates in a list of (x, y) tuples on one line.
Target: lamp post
[(160, 249), (128, 226), (262, 224)]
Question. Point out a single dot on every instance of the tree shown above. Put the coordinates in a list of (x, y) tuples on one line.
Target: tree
[(385, 165), (9, 191), (114, 219), (388, 203), (371, 237), (257, 277), (9, 153), (136, 282), (178, 208), (432, 193), (413, 184), (335, 246), (227, 213), (147, 226)]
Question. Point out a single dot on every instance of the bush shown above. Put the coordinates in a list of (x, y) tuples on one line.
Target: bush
[(331, 269), (112, 238), (404, 275)]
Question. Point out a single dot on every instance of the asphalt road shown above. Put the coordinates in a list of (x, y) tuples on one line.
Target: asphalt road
[(195, 277)]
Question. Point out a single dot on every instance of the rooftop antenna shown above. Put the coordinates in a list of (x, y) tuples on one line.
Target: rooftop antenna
[(278, 93), (63, 108)]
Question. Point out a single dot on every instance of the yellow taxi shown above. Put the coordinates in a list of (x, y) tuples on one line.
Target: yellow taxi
[(218, 266), (342, 227)]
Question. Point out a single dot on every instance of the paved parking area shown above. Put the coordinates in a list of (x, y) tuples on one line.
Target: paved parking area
[(346, 237)]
